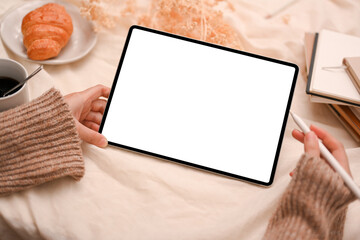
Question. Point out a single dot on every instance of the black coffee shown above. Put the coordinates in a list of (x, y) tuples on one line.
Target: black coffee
[(7, 83)]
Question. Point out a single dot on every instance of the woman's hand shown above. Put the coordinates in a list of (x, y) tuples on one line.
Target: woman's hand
[(88, 109), (311, 145)]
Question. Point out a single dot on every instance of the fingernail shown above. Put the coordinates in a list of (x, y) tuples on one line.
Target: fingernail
[(311, 136), (103, 142)]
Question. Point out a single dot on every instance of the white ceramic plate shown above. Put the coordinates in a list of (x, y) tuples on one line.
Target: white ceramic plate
[(82, 40)]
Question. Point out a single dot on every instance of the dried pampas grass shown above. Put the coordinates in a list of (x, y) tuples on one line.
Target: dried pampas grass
[(198, 19)]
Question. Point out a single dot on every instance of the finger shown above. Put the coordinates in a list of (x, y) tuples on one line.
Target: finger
[(91, 136), (311, 144), (95, 92), (298, 135), (292, 172), (329, 141), (95, 117), (92, 125), (332, 144), (99, 105)]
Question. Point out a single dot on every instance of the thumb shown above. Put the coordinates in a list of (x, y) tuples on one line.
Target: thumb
[(90, 136), (311, 144)]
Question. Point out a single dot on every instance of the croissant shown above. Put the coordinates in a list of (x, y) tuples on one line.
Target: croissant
[(46, 31)]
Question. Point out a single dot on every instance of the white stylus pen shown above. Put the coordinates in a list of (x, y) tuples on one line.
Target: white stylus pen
[(330, 158)]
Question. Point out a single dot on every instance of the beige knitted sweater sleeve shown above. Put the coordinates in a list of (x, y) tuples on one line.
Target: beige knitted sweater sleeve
[(38, 143), (313, 206)]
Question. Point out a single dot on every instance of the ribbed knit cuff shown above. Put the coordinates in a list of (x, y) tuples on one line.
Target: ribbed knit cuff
[(314, 204), (38, 143)]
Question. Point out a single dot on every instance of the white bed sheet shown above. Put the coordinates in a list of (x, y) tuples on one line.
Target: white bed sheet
[(124, 195)]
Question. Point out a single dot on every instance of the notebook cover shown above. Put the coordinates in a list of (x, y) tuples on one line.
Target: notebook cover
[(341, 119), (310, 75), (353, 70), (349, 117), (308, 44), (346, 116)]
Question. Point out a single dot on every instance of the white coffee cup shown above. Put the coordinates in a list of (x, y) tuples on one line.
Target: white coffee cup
[(12, 69)]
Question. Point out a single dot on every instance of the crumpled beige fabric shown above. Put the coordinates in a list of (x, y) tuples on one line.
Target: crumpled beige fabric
[(125, 195)]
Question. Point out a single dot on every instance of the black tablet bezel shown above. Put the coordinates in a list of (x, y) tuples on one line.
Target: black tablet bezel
[(182, 161)]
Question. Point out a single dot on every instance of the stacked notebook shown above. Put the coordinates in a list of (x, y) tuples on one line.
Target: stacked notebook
[(333, 66)]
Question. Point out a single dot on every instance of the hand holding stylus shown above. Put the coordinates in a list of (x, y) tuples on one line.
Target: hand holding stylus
[(311, 145), (329, 149)]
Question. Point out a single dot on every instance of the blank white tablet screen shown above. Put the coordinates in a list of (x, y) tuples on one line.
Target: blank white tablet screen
[(199, 104)]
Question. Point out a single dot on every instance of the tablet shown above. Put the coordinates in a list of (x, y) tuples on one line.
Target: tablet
[(203, 105)]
